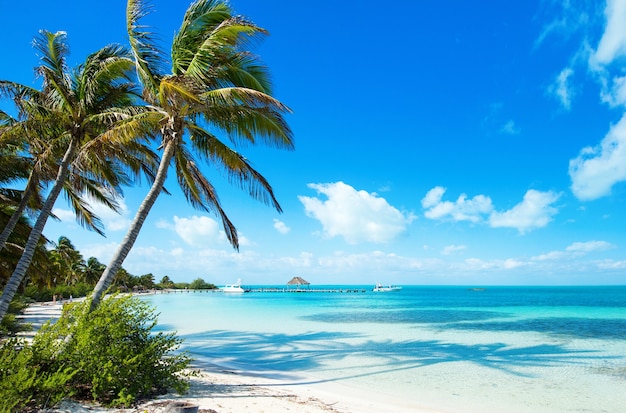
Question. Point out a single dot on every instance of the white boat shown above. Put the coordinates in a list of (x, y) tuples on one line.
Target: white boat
[(385, 288), (233, 288)]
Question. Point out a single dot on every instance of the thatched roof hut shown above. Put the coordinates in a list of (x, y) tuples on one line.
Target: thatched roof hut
[(298, 281)]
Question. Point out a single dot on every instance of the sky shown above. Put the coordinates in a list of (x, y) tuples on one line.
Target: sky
[(436, 143)]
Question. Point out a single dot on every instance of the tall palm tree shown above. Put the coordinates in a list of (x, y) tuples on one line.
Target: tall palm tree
[(214, 84), (79, 106)]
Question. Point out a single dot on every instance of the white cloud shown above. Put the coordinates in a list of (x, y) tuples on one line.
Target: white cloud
[(281, 227), (102, 251), (589, 246), (357, 216), (462, 209), (614, 91), (509, 128), (613, 42), (596, 170), (577, 249), (197, 231), (65, 215), (111, 220), (452, 249), (561, 89), (535, 211)]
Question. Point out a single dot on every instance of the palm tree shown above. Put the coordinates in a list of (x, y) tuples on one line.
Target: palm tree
[(9, 256), (93, 270), (76, 108), (69, 261), (214, 82)]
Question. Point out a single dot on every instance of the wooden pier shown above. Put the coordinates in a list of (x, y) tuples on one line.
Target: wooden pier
[(306, 290), (270, 290)]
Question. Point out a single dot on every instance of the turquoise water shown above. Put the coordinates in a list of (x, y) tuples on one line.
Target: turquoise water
[(501, 349)]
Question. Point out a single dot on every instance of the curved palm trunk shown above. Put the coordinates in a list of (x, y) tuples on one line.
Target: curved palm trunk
[(133, 232), (10, 226), (29, 249)]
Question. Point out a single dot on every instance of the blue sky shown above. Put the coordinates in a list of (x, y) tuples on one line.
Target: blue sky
[(436, 143)]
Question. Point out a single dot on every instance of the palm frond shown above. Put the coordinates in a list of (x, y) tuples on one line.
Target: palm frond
[(148, 57), (84, 215), (236, 167), (248, 114), (200, 193)]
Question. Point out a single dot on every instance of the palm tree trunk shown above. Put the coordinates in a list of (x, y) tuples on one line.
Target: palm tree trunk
[(10, 226), (33, 239), (133, 232)]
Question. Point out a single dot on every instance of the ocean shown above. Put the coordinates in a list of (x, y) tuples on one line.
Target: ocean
[(452, 349)]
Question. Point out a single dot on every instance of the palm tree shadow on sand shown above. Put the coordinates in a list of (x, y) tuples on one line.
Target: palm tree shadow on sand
[(288, 357)]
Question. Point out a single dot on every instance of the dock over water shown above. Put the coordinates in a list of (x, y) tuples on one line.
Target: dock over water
[(270, 290), (306, 290)]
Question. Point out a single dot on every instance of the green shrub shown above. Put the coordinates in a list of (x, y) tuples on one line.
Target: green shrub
[(10, 325), (61, 292), (26, 381), (114, 354)]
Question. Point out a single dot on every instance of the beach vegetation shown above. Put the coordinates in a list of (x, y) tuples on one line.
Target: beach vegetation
[(28, 382), (166, 282), (10, 325), (111, 356), (200, 284), (216, 96)]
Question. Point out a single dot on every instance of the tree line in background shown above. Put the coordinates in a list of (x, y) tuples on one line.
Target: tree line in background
[(67, 274)]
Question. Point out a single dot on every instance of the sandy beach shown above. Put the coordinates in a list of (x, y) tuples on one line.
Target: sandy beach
[(215, 389)]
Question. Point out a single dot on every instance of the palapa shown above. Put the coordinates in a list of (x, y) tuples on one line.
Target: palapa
[(298, 281)]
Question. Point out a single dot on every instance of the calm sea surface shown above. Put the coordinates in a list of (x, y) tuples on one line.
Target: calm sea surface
[(497, 349)]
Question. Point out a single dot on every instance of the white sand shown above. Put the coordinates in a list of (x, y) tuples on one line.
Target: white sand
[(218, 390)]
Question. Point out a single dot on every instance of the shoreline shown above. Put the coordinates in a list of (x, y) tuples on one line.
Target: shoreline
[(218, 389)]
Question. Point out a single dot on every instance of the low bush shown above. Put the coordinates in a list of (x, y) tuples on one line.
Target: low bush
[(10, 325), (27, 382), (111, 356)]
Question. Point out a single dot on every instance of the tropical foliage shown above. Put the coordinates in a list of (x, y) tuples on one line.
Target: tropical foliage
[(111, 355), (62, 126)]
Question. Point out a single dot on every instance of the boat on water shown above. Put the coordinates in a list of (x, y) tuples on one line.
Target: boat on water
[(385, 288), (233, 288)]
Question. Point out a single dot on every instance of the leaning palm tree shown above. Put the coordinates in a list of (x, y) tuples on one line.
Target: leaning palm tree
[(14, 166), (77, 107), (215, 84)]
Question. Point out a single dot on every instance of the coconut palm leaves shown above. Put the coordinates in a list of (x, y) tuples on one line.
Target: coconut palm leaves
[(214, 86), (69, 116)]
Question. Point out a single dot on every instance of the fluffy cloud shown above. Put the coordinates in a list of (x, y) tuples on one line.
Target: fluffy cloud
[(596, 170), (535, 211), (613, 41), (197, 231), (281, 227), (111, 220), (462, 209), (357, 216), (589, 246), (577, 249)]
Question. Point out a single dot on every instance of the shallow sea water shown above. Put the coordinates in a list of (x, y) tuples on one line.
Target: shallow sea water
[(501, 349)]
